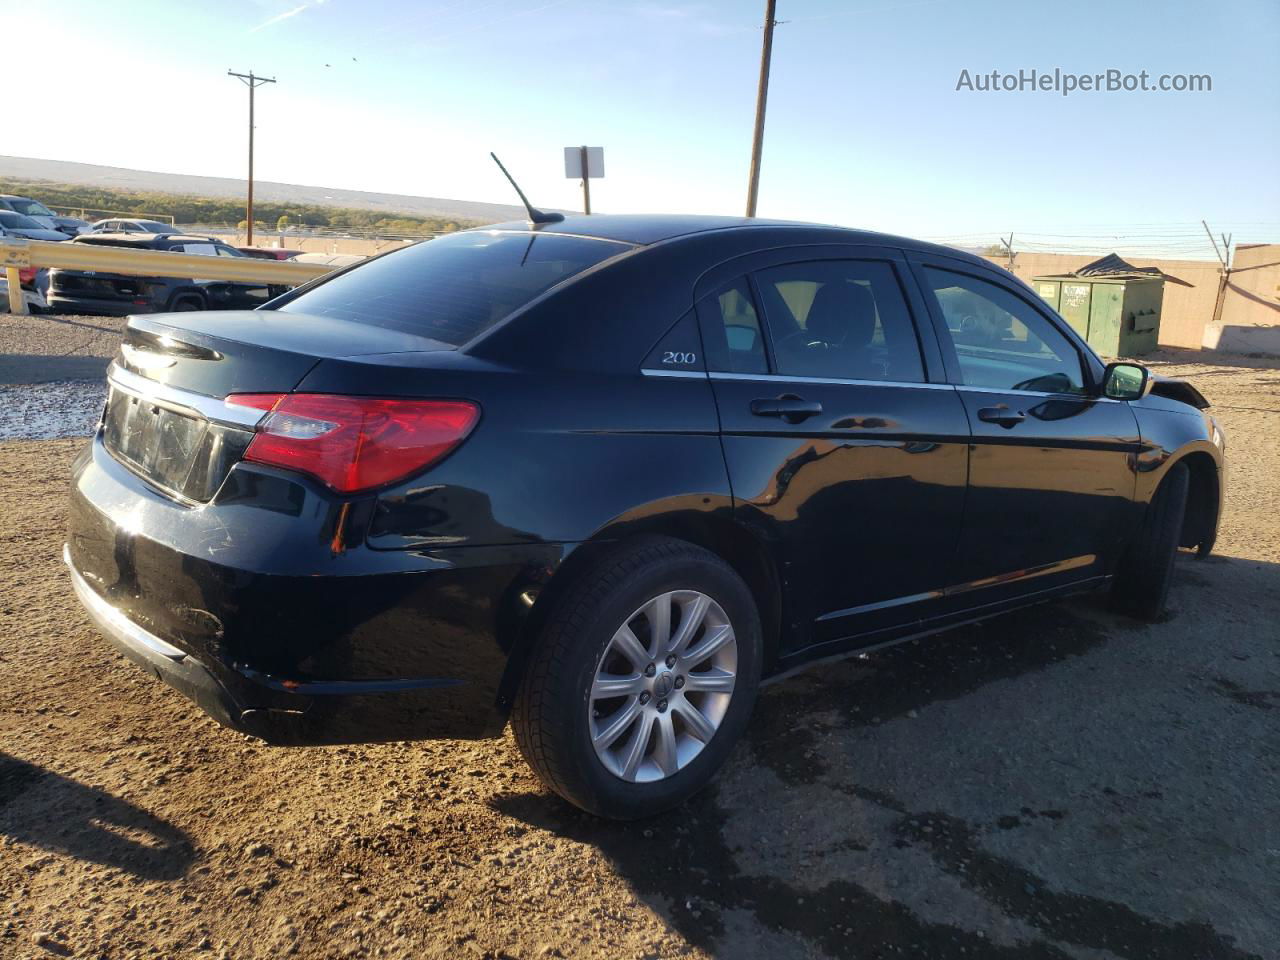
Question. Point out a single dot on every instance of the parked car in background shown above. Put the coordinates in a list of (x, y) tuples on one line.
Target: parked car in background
[(601, 477), (37, 211), (18, 225), (87, 291), (269, 253), (132, 225)]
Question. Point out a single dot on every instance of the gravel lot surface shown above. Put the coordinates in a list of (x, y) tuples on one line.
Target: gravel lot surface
[(1059, 782)]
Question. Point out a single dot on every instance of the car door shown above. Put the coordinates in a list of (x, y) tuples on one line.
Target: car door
[(1051, 470), (842, 450)]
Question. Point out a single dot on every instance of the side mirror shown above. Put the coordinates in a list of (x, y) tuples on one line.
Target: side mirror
[(1126, 381)]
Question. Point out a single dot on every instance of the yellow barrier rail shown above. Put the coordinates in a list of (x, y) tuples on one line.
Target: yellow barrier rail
[(16, 254)]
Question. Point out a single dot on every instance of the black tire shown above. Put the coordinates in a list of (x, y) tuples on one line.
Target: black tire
[(551, 713), (1141, 584), (188, 304)]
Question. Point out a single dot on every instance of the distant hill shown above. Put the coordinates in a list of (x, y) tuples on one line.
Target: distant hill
[(122, 178)]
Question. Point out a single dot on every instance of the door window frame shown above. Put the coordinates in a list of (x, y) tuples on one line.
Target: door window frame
[(728, 274), (1090, 366)]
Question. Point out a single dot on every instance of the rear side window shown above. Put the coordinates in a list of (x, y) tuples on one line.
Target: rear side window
[(454, 288), (840, 319)]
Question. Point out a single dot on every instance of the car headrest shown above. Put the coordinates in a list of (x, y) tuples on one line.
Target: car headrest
[(842, 314)]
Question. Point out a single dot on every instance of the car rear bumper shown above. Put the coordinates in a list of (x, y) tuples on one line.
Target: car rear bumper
[(250, 615)]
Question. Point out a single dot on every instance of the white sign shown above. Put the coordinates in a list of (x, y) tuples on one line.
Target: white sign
[(573, 162)]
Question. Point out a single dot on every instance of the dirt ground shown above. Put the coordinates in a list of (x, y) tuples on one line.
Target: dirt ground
[(1059, 782)]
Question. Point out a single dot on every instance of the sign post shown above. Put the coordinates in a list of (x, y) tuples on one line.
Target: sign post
[(584, 163)]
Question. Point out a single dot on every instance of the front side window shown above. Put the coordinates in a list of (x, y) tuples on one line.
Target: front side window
[(200, 249), (731, 331), (1001, 341), (840, 319), (455, 287)]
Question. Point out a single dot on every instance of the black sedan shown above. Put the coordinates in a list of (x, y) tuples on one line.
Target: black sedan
[(601, 478)]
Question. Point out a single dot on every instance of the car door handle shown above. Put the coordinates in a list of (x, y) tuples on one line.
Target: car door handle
[(1002, 415), (789, 407)]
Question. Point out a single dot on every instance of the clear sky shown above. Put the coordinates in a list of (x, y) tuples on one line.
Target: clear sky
[(865, 125)]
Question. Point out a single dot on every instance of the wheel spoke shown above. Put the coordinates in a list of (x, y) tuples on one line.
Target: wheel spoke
[(712, 640), (692, 615), (635, 746), (714, 680), (612, 685), (617, 724), (697, 724), (627, 644), (664, 752), (658, 613)]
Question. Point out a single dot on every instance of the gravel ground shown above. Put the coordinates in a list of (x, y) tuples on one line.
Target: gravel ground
[(51, 374), (1058, 782)]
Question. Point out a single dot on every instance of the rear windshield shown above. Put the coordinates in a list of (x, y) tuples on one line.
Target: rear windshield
[(455, 287)]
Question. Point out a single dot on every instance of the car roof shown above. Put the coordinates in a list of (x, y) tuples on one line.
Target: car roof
[(648, 229)]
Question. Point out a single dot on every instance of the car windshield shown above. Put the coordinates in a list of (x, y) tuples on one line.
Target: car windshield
[(17, 221), (32, 208), (453, 288)]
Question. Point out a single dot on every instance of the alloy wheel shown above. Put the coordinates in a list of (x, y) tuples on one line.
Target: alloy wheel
[(663, 686)]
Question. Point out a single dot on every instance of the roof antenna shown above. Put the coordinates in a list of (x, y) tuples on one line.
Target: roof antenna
[(535, 215)]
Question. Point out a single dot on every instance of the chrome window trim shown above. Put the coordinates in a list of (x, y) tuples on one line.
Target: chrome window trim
[(1038, 393), (789, 378), (182, 401), (695, 374)]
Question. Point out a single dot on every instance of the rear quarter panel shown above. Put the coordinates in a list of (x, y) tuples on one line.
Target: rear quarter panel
[(557, 456)]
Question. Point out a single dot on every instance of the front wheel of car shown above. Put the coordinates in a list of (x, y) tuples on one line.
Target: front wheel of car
[(642, 681), (1141, 584)]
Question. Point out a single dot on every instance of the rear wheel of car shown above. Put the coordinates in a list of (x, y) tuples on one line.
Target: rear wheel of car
[(1141, 584), (642, 681), (184, 304)]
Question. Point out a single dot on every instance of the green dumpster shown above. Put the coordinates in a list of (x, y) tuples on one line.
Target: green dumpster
[(1114, 305)]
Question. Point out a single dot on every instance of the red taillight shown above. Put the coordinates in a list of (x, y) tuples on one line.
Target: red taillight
[(353, 444)]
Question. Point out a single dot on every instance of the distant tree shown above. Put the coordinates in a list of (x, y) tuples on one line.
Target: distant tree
[(283, 223)]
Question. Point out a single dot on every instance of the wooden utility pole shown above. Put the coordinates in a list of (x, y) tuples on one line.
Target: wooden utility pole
[(762, 95), (252, 83)]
